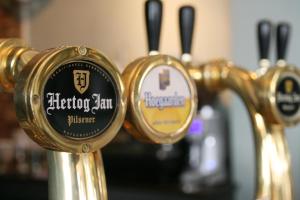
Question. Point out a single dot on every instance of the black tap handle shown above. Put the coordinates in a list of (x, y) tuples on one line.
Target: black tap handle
[(283, 31), (153, 10), (264, 29), (186, 23)]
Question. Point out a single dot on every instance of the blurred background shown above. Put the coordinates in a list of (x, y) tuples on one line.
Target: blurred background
[(215, 160)]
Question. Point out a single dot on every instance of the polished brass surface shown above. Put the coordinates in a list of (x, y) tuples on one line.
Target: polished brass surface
[(205, 96), (257, 90), (135, 122), (76, 176), (14, 55)]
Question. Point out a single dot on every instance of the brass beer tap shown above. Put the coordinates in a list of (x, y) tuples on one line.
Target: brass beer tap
[(71, 101), (162, 96), (205, 127), (271, 96), (186, 26)]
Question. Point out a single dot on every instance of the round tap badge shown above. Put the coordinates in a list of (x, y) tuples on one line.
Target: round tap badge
[(165, 99), (80, 99), (288, 95)]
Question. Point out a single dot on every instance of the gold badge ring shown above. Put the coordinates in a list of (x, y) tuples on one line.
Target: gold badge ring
[(29, 98), (159, 121)]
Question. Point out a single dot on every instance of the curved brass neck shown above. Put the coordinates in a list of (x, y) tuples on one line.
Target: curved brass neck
[(14, 55), (272, 157), (76, 176), (263, 170), (274, 180), (282, 187)]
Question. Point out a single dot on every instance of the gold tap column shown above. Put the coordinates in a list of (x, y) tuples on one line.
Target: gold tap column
[(76, 176), (75, 164), (282, 181), (259, 92), (272, 156)]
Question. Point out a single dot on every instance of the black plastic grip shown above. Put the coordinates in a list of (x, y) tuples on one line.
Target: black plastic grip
[(153, 11), (283, 32), (186, 24), (264, 29)]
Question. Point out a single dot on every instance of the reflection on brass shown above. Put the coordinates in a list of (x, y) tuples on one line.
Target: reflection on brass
[(76, 176), (14, 55), (134, 75), (25, 72), (205, 96), (258, 91)]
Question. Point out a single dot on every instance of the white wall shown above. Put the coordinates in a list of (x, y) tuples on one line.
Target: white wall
[(117, 27), (244, 16)]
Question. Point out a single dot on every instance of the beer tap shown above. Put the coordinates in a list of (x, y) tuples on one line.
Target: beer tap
[(282, 36), (271, 97), (71, 101), (162, 97), (264, 31), (282, 82), (206, 138), (186, 24)]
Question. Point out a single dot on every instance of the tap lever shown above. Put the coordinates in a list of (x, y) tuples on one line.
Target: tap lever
[(283, 32), (186, 23), (264, 29), (153, 10)]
